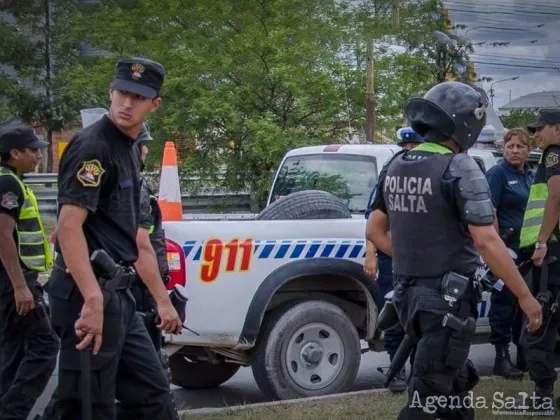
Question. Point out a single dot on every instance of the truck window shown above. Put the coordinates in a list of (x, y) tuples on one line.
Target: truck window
[(349, 177), (480, 163)]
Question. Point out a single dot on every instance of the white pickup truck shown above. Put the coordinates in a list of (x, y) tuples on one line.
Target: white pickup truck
[(286, 293)]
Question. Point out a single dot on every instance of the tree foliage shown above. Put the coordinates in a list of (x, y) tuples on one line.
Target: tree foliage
[(519, 118), (246, 80), (38, 51)]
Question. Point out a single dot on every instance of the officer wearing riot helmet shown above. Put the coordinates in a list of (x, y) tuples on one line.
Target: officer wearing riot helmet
[(408, 140), (28, 344), (539, 239), (435, 202), (98, 198)]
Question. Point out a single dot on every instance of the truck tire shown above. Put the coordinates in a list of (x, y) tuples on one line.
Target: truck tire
[(307, 204), (306, 348), (199, 375)]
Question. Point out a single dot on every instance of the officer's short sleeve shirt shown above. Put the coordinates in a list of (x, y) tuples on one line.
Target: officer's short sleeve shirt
[(99, 171), (551, 160), (11, 196)]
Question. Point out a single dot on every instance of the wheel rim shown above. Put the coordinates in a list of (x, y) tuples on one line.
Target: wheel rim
[(314, 356)]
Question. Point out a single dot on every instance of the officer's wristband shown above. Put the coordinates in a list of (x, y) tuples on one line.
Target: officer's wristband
[(539, 245)]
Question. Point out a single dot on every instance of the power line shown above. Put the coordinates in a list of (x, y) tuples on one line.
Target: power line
[(513, 58), (543, 3), (490, 12), (519, 8), (517, 66)]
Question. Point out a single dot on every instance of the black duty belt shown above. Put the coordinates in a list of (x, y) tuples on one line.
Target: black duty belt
[(124, 282)]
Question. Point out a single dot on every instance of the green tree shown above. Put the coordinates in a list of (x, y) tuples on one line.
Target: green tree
[(249, 80), (39, 48), (519, 118)]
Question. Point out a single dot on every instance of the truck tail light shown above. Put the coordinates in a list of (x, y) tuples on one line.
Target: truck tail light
[(177, 265)]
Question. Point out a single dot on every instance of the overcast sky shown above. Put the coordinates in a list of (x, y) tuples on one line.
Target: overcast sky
[(534, 49)]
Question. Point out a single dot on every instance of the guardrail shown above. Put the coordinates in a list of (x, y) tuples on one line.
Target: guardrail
[(201, 200)]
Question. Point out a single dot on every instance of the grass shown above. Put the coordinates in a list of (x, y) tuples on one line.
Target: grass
[(375, 406)]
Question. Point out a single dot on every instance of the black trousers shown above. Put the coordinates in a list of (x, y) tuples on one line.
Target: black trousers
[(28, 351), (505, 316), (127, 368), (539, 349), (441, 365)]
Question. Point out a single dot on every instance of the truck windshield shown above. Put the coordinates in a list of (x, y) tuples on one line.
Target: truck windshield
[(349, 177)]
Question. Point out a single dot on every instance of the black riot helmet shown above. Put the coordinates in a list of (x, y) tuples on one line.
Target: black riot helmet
[(449, 110)]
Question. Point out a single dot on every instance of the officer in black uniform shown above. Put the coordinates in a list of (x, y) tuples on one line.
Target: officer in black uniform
[(91, 303), (28, 344), (436, 204), (540, 241), (151, 238)]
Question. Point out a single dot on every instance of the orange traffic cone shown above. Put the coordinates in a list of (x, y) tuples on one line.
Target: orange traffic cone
[(169, 189)]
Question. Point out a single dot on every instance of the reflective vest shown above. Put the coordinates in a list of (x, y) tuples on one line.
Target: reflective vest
[(33, 246), (534, 212)]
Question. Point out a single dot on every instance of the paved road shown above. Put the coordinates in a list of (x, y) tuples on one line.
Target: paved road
[(241, 389)]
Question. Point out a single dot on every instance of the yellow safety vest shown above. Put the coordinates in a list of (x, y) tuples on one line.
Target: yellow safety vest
[(534, 212), (33, 246)]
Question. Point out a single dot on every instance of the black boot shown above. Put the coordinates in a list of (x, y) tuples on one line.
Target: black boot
[(398, 384), (521, 362), (543, 401), (503, 365)]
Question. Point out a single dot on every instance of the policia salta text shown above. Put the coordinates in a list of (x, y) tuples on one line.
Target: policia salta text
[(28, 344), (539, 240), (99, 199), (431, 211)]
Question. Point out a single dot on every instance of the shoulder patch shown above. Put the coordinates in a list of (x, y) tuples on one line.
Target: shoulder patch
[(9, 201), (90, 173), (551, 159)]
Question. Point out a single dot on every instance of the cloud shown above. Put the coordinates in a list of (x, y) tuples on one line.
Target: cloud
[(533, 31)]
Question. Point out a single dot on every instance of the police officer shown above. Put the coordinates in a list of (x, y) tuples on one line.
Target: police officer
[(540, 236), (408, 140), (99, 196), (509, 183), (436, 201), (151, 238), (28, 344)]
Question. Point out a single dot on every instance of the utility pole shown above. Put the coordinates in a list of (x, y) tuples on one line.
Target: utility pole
[(48, 82), (370, 95)]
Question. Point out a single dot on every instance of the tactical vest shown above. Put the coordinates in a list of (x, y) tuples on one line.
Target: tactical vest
[(534, 212), (428, 237), (33, 246)]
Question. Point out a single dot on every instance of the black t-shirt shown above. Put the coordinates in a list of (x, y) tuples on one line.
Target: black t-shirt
[(11, 200), (100, 172)]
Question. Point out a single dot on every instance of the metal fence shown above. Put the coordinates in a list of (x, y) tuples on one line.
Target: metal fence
[(210, 203)]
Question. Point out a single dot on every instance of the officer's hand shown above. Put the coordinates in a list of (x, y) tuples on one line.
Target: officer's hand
[(170, 323), (24, 300), (538, 256), (89, 327), (370, 266), (533, 311)]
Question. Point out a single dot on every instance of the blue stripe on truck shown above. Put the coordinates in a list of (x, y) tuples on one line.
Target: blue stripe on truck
[(292, 249)]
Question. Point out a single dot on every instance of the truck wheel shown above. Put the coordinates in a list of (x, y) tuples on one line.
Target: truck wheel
[(306, 349), (308, 204), (199, 375)]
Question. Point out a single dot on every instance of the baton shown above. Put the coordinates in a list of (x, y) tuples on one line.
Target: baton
[(85, 365)]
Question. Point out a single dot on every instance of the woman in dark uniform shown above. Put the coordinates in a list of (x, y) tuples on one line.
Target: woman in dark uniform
[(509, 181)]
